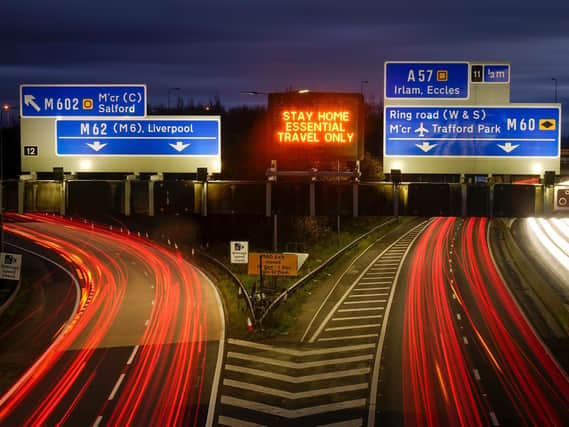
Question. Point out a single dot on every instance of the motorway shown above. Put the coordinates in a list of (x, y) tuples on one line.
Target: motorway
[(461, 351), (422, 328), (131, 334)]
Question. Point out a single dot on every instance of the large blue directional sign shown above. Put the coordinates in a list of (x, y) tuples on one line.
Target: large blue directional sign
[(193, 136), (427, 80), (522, 131), (82, 100)]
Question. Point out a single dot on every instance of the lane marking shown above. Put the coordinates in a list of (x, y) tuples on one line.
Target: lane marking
[(234, 422), (291, 395), (494, 419), (131, 358), (289, 351), (98, 421), (221, 345), (294, 413), (348, 423), (465, 340), (476, 374), (348, 270), (350, 337), (346, 328), (375, 282), (458, 316), (374, 316), (298, 379), (375, 374), (379, 288), (365, 302), (146, 323), (345, 310), (382, 294), (299, 365), (116, 387)]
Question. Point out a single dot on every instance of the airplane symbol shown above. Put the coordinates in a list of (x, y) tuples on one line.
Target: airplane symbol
[(422, 130)]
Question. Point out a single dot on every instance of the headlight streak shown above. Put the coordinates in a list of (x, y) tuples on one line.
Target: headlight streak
[(160, 387)]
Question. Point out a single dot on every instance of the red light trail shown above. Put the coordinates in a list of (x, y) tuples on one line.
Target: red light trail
[(438, 382), (162, 381)]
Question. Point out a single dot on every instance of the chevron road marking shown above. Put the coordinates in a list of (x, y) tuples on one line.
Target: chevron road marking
[(300, 365), (291, 395), (232, 422), (293, 352), (347, 328), (299, 379), (344, 310), (365, 302), (373, 316), (384, 294), (294, 413)]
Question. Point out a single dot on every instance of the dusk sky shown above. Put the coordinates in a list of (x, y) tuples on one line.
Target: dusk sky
[(226, 46)]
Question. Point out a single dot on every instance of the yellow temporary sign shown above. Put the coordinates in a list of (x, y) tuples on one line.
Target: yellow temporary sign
[(547, 124), (273, 264)]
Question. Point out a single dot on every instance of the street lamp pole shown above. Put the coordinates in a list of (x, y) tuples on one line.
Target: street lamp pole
[(170, 90), (555, 88), (362, 86)]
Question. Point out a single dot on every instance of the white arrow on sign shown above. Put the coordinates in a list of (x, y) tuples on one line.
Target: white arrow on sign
[(29, 101), (179, 146), (425, 146), (508, 147), (96, 145)]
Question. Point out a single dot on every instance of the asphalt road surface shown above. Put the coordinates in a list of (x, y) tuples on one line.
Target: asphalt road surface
[(138, 338), (459, 351)]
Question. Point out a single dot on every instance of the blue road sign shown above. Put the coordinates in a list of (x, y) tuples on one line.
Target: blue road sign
[(82, 100), (497, 73), (426, 80), (193, 136), (473, 131)]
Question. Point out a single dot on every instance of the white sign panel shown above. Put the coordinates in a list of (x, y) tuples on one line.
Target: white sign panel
[(10, 266), (239, 252)]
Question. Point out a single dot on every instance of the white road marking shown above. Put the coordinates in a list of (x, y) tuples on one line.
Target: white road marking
[(146, 323), (294, 413), (351, 337), (298, 379), (348, 423), (234, 422), (374, 316), (98, 421), (375, 282), (476, 374), (345, 328), (380, 288), (365, 302), (131, 358), (465, 340), (292, 352), (295, 365), (458, 316), (494, 419), (345, 310), (116, 387), (291, 395), (383, 294), (377, 361)]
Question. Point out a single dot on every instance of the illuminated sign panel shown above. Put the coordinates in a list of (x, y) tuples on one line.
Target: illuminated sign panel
[(318, 126)]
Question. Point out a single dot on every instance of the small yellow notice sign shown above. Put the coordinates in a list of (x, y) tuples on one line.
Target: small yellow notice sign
[(273, 264)]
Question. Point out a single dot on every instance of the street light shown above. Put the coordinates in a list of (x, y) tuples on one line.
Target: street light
[(555, 87), (5, 108), (170, 90)]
